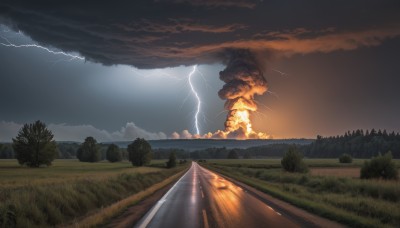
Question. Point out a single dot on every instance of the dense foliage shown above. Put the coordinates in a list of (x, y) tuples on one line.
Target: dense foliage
[(345, 158), (113, 153), (380, 167), (356, 143), (89, 151), (139, 152), (67, 150), (292, 161), (6, 151), (233, 154), (34, 145), (172, 160)]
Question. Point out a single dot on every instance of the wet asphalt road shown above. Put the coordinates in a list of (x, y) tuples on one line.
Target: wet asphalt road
[(201, 198)]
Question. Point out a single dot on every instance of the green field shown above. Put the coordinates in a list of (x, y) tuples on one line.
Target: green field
[(68, 190), (13, 174), (276, 162), (349, 200)]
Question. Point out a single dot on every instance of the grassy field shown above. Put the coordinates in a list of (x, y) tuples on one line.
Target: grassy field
[(276, 162), (347, 199), (69, 190), (12, 174)]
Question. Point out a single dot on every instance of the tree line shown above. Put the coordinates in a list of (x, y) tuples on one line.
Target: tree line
[(357, 143), (34, 146)]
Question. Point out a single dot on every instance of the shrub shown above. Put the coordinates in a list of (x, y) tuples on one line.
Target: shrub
[(172, 160), (379, 167), (292, 161), (345, 158)]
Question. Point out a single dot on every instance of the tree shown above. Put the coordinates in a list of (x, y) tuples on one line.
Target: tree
[(139, 152), (113, 153), (34, 145), (233, 154), (380, 167), (172, 160), (345, 158), (292, 161), (89, 151)]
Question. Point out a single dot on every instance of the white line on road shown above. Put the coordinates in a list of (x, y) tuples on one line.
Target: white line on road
[(202, 194), (156, 207)]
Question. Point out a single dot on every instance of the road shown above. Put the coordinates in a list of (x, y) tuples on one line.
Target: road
[(201, 198)]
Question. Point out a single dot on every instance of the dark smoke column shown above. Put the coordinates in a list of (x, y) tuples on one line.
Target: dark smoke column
[(244, 80)]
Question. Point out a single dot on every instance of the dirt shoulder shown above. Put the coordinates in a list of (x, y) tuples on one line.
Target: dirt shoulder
[(134, 213), (296, 214)]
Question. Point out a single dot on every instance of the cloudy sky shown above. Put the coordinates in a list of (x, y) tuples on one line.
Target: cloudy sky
[(339, 61)]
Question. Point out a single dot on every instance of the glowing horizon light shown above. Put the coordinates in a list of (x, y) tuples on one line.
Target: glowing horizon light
[(198, 99)]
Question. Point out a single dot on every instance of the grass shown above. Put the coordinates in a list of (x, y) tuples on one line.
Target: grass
[(12, 174), (276, 162), (354, 202), (107, 213), (68, 190), (353, 172)]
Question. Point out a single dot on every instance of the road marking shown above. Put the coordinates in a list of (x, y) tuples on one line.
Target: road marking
[(202, 194), (278, 213), (156, 207), (205, 219)]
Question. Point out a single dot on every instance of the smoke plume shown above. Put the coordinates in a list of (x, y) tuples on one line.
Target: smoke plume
[(244, 79)]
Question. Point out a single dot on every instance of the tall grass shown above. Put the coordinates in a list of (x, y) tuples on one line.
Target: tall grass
[(44, 205)]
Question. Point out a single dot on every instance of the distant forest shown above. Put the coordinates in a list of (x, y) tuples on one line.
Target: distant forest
[(357, 143)]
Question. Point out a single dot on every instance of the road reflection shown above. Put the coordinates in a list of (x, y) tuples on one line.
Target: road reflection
[(231, 206)]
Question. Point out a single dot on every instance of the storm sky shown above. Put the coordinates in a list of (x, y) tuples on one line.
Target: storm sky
[(340, 60)]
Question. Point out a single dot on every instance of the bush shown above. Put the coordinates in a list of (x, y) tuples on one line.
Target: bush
[(172, 160), (292, 161), (113, 153), (345, 158), (380, 167)]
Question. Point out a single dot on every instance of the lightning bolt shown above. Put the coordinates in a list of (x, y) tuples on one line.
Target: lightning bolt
[(9, 44), (198, 99)]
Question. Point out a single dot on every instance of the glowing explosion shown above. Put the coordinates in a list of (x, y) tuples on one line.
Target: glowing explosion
[(243, 80)]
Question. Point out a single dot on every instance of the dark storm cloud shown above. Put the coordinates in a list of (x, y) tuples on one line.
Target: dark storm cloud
[(163, 33)]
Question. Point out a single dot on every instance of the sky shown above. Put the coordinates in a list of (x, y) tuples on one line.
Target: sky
[(330, 66)]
